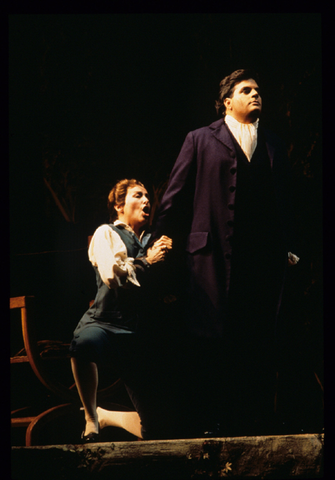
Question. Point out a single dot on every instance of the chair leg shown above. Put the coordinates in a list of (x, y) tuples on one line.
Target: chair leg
[(35, 427)]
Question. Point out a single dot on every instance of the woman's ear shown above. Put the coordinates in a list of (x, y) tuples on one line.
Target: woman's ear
[(119, 208)]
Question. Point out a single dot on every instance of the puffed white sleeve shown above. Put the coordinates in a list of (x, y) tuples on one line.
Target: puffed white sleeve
[(109, 254)]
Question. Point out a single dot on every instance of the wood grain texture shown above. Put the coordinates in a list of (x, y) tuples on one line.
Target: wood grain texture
[(279, 456)]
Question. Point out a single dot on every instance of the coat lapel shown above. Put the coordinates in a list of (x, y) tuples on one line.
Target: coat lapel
[(220, 131)]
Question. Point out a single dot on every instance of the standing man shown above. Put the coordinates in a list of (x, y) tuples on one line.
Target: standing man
[(227, 206)]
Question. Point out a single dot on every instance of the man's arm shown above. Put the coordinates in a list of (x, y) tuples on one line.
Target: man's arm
[(283, 183), (174, 213)]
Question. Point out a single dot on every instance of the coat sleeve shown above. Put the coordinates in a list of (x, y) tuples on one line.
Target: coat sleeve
[(174, 214)]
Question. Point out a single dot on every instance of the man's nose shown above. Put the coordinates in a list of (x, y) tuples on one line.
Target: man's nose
[(254, 93)]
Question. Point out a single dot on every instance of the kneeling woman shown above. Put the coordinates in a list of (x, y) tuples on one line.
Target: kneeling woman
[(106, 334)]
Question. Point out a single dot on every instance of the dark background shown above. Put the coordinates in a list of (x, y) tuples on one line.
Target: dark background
[(96, 98)]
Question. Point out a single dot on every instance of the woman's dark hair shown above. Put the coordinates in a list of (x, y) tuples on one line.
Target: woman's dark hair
[(117, 196), (228, 84)]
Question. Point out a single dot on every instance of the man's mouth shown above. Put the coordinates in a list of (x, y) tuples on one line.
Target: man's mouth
[(146, 210)]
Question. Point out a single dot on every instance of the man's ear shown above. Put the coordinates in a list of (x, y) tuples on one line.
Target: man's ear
[(227, 102)]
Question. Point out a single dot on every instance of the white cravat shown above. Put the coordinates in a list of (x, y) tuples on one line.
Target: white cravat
[(245, 134)]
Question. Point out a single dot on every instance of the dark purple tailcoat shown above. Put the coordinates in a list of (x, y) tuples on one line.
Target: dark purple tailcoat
[(198, 210)]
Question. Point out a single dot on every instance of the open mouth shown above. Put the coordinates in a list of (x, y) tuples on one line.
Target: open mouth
[(146, 210)]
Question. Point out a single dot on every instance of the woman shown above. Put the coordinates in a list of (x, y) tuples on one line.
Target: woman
[(105, 335)]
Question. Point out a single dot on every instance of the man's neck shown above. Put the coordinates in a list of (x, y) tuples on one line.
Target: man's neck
[(245, 121)]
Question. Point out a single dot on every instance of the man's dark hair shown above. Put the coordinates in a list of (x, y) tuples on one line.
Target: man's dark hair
[(228, 84)]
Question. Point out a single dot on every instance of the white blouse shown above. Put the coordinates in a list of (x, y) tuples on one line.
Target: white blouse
[(108, 253)]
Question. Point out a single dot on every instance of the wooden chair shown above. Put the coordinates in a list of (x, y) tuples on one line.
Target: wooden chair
[(31, 354)]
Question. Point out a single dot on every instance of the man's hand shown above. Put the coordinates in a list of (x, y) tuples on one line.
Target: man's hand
[(292, 259), (159, 249)]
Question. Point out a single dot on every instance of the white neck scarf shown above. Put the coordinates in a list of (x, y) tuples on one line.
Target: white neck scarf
[(245, 134)]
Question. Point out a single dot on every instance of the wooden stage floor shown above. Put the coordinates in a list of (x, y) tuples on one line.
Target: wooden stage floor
[(276, 456)]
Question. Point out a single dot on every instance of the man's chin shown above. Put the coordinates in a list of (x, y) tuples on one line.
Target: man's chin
[(255, 114)]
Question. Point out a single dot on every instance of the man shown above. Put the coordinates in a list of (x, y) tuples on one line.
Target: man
[(228, 206)]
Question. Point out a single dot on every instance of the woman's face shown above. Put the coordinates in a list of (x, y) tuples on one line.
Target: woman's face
[(135, 212)]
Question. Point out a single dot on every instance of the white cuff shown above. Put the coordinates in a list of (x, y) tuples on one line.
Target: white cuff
[(128, 269)]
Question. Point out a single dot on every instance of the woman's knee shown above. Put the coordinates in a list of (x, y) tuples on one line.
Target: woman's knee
[(89, 345)]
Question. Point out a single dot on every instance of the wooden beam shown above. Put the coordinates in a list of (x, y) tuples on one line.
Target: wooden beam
[(278, 456)]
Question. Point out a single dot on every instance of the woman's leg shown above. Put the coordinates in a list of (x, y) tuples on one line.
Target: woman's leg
[(129, 421), (86, 377), (90, 348)]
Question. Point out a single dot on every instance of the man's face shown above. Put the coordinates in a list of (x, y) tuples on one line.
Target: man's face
[(245, 105), (135, 211)]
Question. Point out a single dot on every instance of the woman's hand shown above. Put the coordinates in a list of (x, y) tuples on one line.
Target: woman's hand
[(158, 251)]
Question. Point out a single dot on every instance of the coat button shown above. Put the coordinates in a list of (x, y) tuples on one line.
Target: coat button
[(232, 188), (233, 170), (230, 223), (227, 256), (232, 154), (231, 206)]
